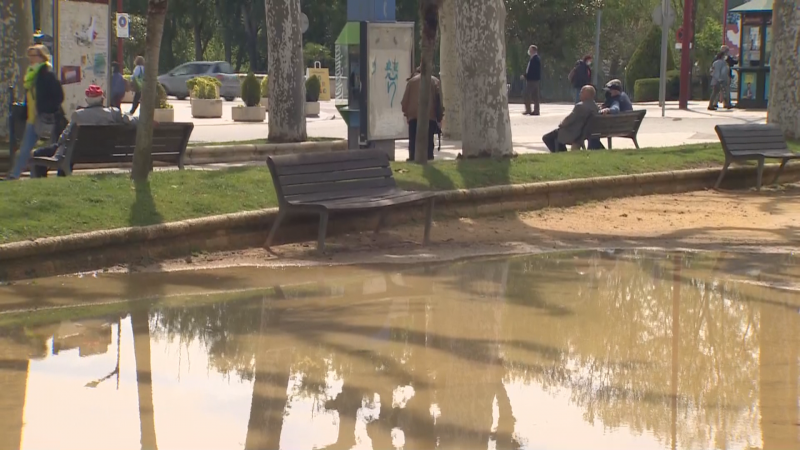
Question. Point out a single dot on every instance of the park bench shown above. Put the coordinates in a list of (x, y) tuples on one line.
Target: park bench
[(320, 183), (753, 142), (114, 144), (622, 125)]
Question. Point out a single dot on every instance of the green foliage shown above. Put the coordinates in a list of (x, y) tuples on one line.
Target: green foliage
[(313, 52), (646, 89), (206, 88), (265, 87), (707, 44), (673, 84), (313, 89), (251, 90), (646, 60), (161, 97)]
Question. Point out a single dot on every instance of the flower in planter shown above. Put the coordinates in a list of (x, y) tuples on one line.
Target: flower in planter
[(205, 88), (251, 91), (161, 98)]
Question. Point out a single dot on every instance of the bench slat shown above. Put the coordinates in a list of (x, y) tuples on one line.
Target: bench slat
[(359, 203), (324, 158), (326, 167), (338, 186), (625, 125), (317, 197), (343, 175)]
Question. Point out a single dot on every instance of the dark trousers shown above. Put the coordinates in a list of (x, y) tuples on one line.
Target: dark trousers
[(116, 101), (137, 97), (595, 144), (551, 141), (531, 95), (412, 138), (49, 152)]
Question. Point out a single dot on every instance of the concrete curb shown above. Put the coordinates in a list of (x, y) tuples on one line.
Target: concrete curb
[(98, 249)]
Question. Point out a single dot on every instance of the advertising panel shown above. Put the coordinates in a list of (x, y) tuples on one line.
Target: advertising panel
[(390, 48)]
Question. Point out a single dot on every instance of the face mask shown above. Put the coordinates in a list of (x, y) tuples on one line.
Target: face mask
[(588, 63), (608, 95)]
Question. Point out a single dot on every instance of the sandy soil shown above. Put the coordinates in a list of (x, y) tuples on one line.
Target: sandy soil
[(743, 220)]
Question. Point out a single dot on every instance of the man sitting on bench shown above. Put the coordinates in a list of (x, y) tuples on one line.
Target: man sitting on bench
[(93, 114), (570, 131), (616, 102)]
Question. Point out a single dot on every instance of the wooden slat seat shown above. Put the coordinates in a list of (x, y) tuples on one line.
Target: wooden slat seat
[(753, 142), (357, 180), (115, 144), (622, 125)]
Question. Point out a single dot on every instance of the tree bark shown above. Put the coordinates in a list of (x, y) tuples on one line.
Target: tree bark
[(142, 155), (429, 11), (24, 29), (140, 322), (8, 60), (448, 59), (287, 117), (480, 29), (784, 91), (46, 17)]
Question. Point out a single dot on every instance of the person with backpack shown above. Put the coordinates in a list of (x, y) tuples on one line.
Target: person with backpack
[(720, 82), (581, 75), (136, 80)]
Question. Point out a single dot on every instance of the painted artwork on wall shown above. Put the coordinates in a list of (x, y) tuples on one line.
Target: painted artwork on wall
[(766, 86), (83, 48), (748, 90)]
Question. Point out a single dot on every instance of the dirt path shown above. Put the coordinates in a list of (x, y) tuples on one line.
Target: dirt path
[(760, 221)]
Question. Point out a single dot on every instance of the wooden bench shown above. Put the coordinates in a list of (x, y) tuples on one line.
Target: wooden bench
[(114, 144), (622, 125), (354, 180), (753, 142)]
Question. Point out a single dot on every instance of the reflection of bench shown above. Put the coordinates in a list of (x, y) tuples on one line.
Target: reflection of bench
[(114, 144), (318, 183), (753, 142), (622, 125)]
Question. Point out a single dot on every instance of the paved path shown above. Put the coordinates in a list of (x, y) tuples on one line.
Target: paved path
[(677, 128)]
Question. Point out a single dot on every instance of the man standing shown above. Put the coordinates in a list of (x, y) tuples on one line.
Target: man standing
[(410, 105), (533, 74), (570, 131), (581, 75)]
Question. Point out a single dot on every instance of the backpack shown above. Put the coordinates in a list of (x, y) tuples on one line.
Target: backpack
[(572, 73)]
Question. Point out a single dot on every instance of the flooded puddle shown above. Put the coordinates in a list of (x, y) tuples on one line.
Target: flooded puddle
[(600, 350)]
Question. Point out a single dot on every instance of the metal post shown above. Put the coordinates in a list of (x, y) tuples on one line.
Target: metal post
[(12, 138), (598, 65), (725, 23), (686, 55), (662, 85), (119, 40)]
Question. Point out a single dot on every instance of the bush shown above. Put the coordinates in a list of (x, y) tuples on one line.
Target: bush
[(646, 60), (161, 97), (673, 84), (265, 87), (251, 90), (313, 88), (646, 89), (204, 87)]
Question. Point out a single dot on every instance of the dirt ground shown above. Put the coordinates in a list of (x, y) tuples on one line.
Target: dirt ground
[(742, 220)]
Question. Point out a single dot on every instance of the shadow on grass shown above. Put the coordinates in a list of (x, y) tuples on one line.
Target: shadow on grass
[(143, 210)]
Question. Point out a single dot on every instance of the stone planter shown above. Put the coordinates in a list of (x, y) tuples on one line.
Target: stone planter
[(128, 97), (312, 108), (248, 114), (207, 109), (265, 103), (166, 115)]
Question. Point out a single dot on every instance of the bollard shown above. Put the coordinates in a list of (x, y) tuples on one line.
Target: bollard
[(12, 138)]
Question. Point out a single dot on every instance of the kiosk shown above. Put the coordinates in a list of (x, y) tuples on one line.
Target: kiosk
[(755, 51)]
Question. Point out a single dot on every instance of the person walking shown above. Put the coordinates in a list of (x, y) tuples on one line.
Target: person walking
[(43, 99), (731, 63), (136, 80), (410, 105), (117, 86), (581, 75), (720, 82), (533, 74)]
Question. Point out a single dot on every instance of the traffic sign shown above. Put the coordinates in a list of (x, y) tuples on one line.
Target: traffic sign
[(123, 25), (303, 22), (659, 17)]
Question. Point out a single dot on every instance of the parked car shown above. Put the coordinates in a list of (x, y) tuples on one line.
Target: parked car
[(175, 80)]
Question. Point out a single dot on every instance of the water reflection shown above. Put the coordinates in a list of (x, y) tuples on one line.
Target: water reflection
[(622, 350)]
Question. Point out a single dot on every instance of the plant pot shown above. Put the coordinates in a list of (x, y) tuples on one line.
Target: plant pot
[(265, 103), (248, 114), (312, 108), (128, 97), (207, 109), (166, 115)]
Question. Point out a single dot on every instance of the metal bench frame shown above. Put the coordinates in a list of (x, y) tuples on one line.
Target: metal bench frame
[(609, 126), (753, 142)]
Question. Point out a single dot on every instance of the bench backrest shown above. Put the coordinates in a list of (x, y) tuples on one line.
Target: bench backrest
[(751, 138), (320, 176), (115, 143), (624, 124)]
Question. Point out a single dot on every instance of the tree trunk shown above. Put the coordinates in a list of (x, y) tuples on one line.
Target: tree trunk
[(287, 117), (784, 91), (486, 128), (198, 37), (429, 11), (24, 30), (8, 60), (142, 155), (448, 58), (140, 322), (46, 17)]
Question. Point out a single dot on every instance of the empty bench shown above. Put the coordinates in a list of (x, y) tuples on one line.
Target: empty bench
[(753, 142), (114, 144), (608, 126), (320, 183)]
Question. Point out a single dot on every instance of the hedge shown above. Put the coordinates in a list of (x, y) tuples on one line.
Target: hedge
[(646, 89), (646, 60)]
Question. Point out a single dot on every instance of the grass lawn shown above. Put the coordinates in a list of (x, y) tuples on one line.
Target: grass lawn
[(58, 206)]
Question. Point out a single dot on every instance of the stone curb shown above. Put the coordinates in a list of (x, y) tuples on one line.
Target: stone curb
[(97, 249)]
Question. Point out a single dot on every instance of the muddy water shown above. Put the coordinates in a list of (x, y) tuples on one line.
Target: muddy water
[(606, 350)]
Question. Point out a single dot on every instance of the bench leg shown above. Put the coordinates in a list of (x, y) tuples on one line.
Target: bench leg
[(760, 173), (274, 229), (381, 222), (722, 174), (609, 144), (780, 170), (635, 143), (428, 221), (323, 231)]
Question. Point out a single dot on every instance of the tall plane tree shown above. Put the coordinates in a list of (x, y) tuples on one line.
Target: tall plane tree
[(784, 92), (16, 22), (287, 117), (448, 58), (142, 155), (481, 44), (429, 11)]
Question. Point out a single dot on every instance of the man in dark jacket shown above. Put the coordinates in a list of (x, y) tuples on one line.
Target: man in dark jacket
[(616, 102), (581, 75), (533, 74), (570, 131)]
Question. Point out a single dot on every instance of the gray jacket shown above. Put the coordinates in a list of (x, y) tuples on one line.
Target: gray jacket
[(93, 115), (571, 129), (720, 72)]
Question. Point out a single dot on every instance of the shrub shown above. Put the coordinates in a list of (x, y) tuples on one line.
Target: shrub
[(265, 87), (313, 88), (251, 90), (646, 60), (204, 87), (646, 89), (673, 84), (161, 97)]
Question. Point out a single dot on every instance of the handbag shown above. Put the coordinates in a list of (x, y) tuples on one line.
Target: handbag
[(44, 124)]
